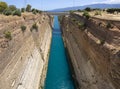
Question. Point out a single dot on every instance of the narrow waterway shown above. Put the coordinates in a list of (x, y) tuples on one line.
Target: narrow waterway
[(58, 74)]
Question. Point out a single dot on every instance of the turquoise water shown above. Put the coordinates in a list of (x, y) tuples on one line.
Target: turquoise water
[(58, 74)]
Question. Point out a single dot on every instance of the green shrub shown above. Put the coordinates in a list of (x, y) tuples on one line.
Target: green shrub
[(112, 10), (34, 12), (42, 87), (33, 9), (79, 10), (12, 8), (23, 28), (39, 11), (102, 41), (17, 12), (22, 9), (3, 6), (7, 12), (100, 23), (73, 19), (97, 13), (98, 9), (86, 14), (82, 26), (109, 25), (87, 9), (34, 26), (8, 35), (71, 12)]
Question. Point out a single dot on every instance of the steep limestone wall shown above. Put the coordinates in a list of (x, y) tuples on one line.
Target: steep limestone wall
[(24, 59), (93, 50)]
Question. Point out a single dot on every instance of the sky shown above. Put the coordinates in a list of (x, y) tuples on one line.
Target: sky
[(54, 4)]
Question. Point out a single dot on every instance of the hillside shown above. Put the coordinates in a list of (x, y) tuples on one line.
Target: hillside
[(102, 6)]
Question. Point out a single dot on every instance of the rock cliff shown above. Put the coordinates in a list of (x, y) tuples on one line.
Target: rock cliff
[(24, 57), (93, 46)]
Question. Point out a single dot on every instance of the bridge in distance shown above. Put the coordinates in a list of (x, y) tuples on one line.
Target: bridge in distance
[(58, 13)]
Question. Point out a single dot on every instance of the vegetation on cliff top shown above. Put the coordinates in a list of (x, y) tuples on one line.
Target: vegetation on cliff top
[(86, 14), (13, 10), (3, 6), (28, 8), (12, 7), (7, 10), (113, 10)]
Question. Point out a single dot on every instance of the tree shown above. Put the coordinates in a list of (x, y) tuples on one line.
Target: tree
[(33, 9), (79, 10), (28, 8), (22, 9), (3, 6), (112, 10), (87, 9), (12, 7)]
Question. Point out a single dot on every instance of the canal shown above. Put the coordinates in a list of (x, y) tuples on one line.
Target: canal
[(58, 74)]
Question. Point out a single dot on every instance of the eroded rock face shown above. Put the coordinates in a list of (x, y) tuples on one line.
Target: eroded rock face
[(24, 58), (93, 47)]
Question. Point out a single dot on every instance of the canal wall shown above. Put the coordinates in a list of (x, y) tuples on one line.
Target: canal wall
[(93, 50), (24, 57)]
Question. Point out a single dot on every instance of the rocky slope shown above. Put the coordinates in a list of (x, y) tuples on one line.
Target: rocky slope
[(24, 58), (93, 46)]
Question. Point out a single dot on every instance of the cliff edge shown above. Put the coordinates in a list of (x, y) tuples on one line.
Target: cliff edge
[(24, 50), (93, 46)]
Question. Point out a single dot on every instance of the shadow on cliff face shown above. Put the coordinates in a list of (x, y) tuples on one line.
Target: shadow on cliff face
[(87, 55)]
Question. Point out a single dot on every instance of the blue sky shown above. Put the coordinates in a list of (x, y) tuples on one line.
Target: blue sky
[(53, 4)]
